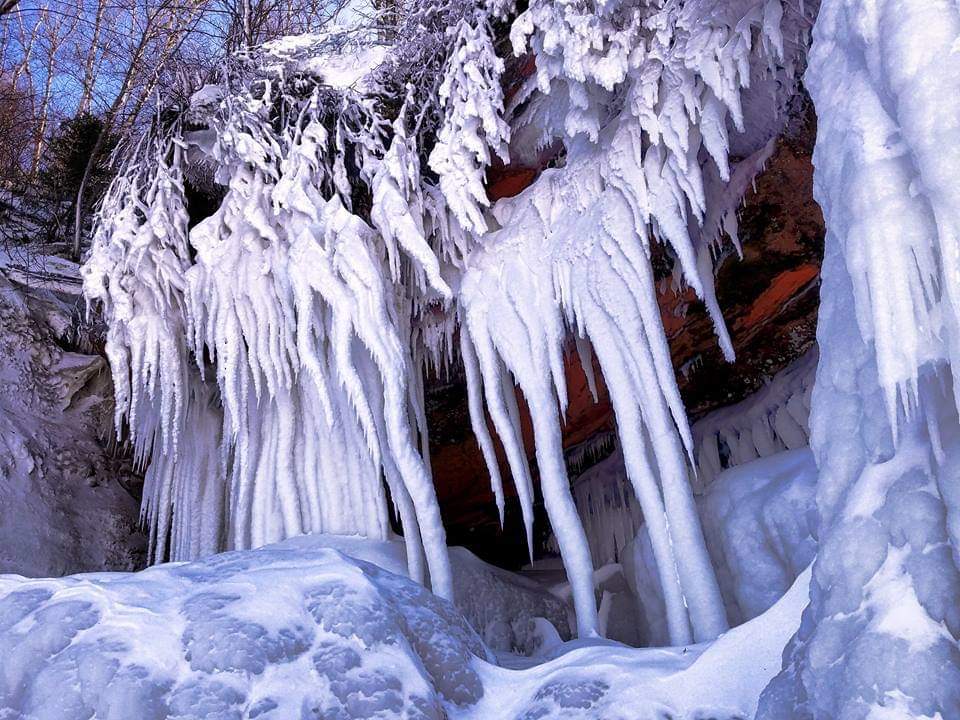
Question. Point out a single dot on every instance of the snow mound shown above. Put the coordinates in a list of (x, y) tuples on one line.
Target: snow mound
[(760, 520), (506, 609), (272, 633), (590, 680), (296, 630)]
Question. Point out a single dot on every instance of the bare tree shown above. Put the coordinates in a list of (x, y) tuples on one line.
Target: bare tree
[(7, 6), (57, 27), (16, 131), (91, 54), (161, 28), (111, 59)]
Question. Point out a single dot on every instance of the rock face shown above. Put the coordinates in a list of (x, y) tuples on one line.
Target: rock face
[(62, 507), (769, 298)]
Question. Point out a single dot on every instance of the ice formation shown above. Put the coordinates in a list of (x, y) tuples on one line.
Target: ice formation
[(759, 520), (770, 421), (879, 639), (760, 523), (774, 419), (268, 361)]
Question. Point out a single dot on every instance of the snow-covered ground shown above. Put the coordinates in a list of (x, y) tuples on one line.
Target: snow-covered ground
[(302, 630)]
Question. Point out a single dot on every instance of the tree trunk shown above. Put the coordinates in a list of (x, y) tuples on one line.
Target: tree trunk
[(78, 204)]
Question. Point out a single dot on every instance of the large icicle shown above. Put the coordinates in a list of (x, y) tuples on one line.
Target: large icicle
[(643, 118), (290, 303)]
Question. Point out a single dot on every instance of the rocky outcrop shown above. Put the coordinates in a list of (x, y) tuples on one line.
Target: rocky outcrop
[(63, 504)]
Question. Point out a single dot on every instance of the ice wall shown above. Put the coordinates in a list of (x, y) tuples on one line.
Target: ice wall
[(269, 359), (879, 639)]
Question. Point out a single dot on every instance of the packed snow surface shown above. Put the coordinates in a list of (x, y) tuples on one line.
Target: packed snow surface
[(301, 630)]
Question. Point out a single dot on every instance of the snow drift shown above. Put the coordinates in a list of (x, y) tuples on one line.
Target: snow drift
[(300, 630)]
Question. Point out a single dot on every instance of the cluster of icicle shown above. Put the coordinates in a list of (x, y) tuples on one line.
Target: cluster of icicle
[(269, 360), (770, 421), (886, 178), (773, 419), (608, 510)]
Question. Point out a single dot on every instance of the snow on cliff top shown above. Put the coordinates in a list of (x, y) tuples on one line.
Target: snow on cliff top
[(340, 58)]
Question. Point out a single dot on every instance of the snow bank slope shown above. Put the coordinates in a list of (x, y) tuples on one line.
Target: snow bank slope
[(294, 631), (721, 680), (500, 605)]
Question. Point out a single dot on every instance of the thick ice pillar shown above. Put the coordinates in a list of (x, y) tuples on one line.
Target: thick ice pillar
[(879, 638), (884, 614)]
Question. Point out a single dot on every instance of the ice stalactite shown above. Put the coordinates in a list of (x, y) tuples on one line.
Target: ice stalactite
[(879, 638), (770, 421), (354, 237), (643, 120), (774, 419), (289, 305)]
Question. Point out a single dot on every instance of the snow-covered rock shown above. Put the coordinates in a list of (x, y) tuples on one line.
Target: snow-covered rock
[(62, 509), (301, 630), (506, 609), (273, 633)]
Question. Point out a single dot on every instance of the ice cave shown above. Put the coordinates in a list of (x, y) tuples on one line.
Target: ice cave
[(496, 360)]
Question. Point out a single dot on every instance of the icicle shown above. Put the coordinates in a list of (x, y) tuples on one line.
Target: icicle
[(585, 353), (478, 421), (299, 322)]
